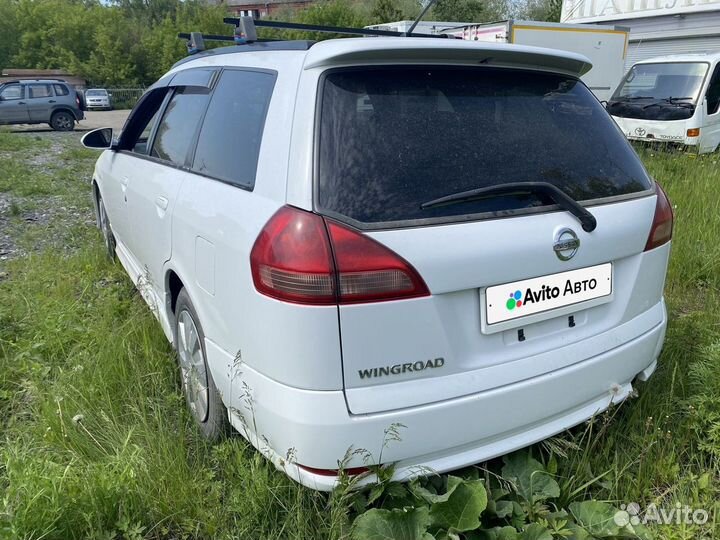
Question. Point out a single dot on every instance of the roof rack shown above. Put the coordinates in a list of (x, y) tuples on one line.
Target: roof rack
[(244, 22), (246, 31)]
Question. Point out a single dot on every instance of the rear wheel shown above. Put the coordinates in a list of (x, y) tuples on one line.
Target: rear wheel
[(105, 229), (201, 395), (62, 121)]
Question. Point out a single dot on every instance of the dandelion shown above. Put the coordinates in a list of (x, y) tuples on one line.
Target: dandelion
[(78, 418)]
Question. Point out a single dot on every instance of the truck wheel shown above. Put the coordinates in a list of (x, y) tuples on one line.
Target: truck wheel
[(62, 121), (201, 395)]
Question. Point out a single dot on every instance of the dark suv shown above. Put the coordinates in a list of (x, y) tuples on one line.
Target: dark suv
[(54, 102)]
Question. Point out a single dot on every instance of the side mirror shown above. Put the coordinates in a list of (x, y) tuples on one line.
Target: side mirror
[(99, 139)]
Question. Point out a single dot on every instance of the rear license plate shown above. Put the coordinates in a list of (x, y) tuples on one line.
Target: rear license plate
[(521, 298)]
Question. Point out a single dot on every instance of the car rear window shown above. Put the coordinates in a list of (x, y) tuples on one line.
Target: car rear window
[(391, 139)]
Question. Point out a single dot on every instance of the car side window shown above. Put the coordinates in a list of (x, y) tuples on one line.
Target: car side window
[(39, 91), (60, 90), (229, 141), (713, 93), (180, 122), (12, 91), (136, 133), (141, 145)]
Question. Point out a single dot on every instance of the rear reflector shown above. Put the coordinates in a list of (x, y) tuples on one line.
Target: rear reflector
[(351, 471), (662, 225), (301, 257)]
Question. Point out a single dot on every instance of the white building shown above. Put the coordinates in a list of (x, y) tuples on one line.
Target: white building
[(657, 27)]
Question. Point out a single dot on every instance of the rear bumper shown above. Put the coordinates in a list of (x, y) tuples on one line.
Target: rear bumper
[(316, 428)]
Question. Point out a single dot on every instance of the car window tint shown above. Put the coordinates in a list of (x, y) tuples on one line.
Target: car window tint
[(179, 124), (13, 91), (39, 91), (61, 90), (391, 140), (229, 142)]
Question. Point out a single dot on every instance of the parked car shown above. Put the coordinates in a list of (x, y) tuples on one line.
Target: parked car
[(673, 100), (98, 98), (444, 240), (54, 102)]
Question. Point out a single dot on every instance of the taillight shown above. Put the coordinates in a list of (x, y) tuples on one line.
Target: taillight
[(301, 257), (291, 259), (368, 271), (662, 225)]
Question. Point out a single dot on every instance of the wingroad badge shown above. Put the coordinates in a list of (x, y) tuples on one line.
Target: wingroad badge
[(399, 369)]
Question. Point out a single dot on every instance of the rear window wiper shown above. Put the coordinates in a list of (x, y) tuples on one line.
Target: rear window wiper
[(562, 199)]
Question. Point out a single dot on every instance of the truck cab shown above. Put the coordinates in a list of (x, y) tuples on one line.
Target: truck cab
[(671, 99)]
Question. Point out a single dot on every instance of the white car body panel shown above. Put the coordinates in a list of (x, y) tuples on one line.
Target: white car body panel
[(292, 369)]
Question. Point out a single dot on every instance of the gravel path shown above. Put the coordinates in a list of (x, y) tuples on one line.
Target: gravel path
[(44, 192)]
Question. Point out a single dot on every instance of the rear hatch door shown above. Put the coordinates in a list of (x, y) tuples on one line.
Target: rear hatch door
[(511, 275)]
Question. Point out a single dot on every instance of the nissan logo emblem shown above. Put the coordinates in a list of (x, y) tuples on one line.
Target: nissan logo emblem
[(566, 244)]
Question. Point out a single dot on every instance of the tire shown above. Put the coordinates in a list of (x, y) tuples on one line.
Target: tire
[(106, 229), (62, 121), (201, 395)]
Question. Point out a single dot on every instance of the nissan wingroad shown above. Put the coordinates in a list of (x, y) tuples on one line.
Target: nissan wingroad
[(447, 238)]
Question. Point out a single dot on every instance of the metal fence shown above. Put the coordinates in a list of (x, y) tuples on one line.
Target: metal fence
[(125, 98)]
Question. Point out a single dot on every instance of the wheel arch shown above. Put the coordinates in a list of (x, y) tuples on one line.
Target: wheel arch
[(96, 201), (65, 109), (173, 285)]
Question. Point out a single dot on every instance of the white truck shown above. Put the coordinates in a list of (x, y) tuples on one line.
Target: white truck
[(671, 99), (604, 45)]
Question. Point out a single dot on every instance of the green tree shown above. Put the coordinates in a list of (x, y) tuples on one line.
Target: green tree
[(384, 11), (460, 10), (9, 41), (539, 10)]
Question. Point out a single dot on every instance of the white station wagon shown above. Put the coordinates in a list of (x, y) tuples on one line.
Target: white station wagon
[(449, 239)]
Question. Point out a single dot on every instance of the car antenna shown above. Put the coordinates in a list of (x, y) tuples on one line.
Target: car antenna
[(428, 5)]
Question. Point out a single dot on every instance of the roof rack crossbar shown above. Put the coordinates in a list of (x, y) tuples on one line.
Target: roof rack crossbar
[(207, 37), (245, 32), (328, 29), (196, 40)]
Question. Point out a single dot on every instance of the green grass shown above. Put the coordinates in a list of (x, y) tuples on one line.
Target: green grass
[(96, 442)]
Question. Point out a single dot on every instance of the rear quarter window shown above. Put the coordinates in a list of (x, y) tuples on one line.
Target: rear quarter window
[(229, 143), (61, 90), (393, 138)]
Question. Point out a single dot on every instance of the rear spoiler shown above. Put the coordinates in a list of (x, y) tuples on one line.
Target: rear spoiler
[(351, 51)]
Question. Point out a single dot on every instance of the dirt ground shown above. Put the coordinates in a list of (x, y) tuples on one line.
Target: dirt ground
[(93, 120), (44, 192)]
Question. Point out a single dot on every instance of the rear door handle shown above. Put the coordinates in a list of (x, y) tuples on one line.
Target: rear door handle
[(21, 103), (52, 101), (162, 203)]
